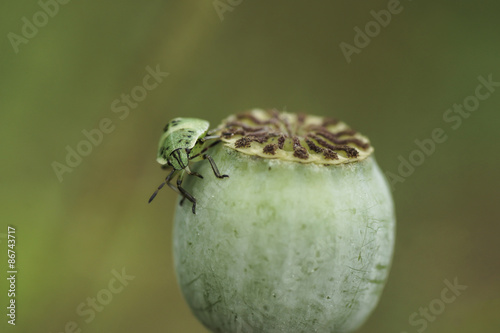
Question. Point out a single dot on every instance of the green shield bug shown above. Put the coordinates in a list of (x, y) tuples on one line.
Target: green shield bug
[(184, 140)]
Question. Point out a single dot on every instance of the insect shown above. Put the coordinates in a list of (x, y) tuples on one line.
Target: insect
[(184, 140)]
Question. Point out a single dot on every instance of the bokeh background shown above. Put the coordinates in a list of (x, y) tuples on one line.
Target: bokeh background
[(72, 234)]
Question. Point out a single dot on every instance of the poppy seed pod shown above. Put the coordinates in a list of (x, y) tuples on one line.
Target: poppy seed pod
[(299, 238)]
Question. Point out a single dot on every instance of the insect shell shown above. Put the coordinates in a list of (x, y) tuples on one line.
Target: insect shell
[(180, 138), (184, 140)]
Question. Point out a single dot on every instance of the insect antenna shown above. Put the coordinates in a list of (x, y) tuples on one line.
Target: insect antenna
[(166, 181), (156, 192)]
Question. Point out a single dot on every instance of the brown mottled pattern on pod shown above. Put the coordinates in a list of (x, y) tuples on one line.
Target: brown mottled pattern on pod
[(296, 137)]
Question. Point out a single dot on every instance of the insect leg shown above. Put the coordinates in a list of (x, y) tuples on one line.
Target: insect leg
[(185, 193), (173, 187), (205, 149), (211, 137), (210, 159), (212, 131), (167, 181), (192, 173), (214, 166)]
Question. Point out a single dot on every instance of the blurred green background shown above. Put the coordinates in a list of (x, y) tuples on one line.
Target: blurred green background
[(72, 234)]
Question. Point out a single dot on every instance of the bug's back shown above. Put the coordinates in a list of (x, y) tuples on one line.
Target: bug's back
[(180, 133)]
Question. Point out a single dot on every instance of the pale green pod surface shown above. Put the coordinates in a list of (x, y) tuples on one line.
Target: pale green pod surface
[(284, 245)]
